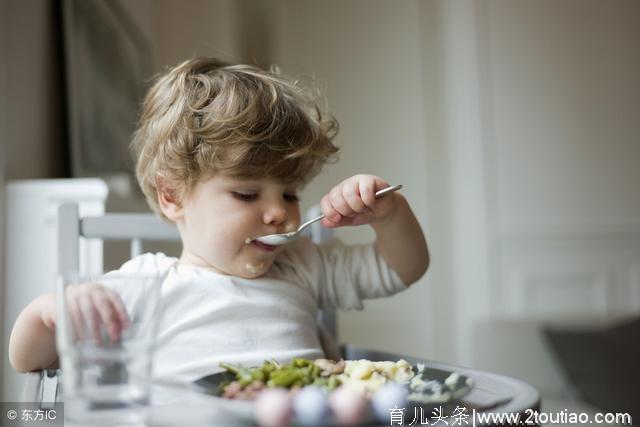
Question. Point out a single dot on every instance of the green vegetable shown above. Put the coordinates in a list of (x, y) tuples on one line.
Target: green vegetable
[(300, 372), (245, 376), (334, 382)]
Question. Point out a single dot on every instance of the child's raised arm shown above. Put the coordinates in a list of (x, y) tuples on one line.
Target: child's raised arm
[(399, 238)]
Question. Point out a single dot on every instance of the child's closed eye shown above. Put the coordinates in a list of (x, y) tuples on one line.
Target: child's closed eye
[(291, 198), (245, 197), (251, 197)]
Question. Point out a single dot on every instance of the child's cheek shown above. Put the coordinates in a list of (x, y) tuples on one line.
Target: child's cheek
[(227, 235)]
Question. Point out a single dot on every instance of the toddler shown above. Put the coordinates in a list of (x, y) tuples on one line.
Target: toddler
[(222, 152)]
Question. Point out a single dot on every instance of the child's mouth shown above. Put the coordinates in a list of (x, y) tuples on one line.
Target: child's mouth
[(263, 246)]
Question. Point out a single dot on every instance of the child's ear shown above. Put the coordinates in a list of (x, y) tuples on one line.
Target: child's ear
[(168, 200)]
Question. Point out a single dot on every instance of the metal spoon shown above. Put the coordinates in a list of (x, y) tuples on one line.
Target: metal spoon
[(283, 238)]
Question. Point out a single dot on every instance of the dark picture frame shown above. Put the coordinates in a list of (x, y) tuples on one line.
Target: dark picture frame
[(107, 60)]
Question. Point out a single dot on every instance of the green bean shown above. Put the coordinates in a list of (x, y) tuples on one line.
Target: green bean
[(243, 375), (300, 362), (258, 374), (268, 367), (333, 383), (299, 372), (229, 367), (315, 371), (283, 378)]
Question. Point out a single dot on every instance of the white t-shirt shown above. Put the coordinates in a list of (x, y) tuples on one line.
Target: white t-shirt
[(208, 317)]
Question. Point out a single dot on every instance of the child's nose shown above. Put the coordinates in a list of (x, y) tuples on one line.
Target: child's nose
[(275, 215)]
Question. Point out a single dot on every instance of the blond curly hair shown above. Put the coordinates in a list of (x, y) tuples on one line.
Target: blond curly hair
[(205, 117)]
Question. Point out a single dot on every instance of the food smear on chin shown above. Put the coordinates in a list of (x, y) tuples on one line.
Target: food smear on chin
[(254, 268)]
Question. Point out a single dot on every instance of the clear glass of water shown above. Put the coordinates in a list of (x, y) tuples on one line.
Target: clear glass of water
[(105, 335)]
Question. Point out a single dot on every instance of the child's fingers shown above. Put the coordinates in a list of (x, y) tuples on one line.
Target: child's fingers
[(75, 315), (119, 308), (368, 192), (90, 315), (351, 194), (109, 316), (353, 202), (339, 203), (332, 217)]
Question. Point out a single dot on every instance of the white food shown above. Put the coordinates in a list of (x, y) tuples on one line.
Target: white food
[(367, 377), (452, 380)]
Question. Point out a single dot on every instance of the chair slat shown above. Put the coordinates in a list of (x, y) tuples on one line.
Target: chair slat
[(128, 226), (136, 248), (68, 238)]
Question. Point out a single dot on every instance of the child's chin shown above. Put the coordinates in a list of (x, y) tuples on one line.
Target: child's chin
[(254, 270)]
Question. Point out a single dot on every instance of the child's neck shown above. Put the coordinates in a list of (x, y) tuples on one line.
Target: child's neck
[(187, 258)]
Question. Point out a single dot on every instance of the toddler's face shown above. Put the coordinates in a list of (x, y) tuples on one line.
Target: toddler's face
[(222, 212)]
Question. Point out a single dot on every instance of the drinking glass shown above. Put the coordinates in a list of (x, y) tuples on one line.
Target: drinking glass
[(105, 335)]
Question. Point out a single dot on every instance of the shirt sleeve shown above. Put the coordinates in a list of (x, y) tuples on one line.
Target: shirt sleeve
[(342, 276)]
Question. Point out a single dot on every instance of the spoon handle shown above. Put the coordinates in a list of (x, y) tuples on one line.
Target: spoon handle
[(377, 196), (387, 190)]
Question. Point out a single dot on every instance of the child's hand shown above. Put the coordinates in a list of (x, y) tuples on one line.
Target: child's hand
[(91, 308), (353, 202)]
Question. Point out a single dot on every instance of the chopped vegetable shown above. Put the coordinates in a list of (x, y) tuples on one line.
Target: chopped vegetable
[(299, 373)]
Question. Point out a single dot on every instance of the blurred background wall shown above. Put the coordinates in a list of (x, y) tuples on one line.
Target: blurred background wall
[(512, 125)]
